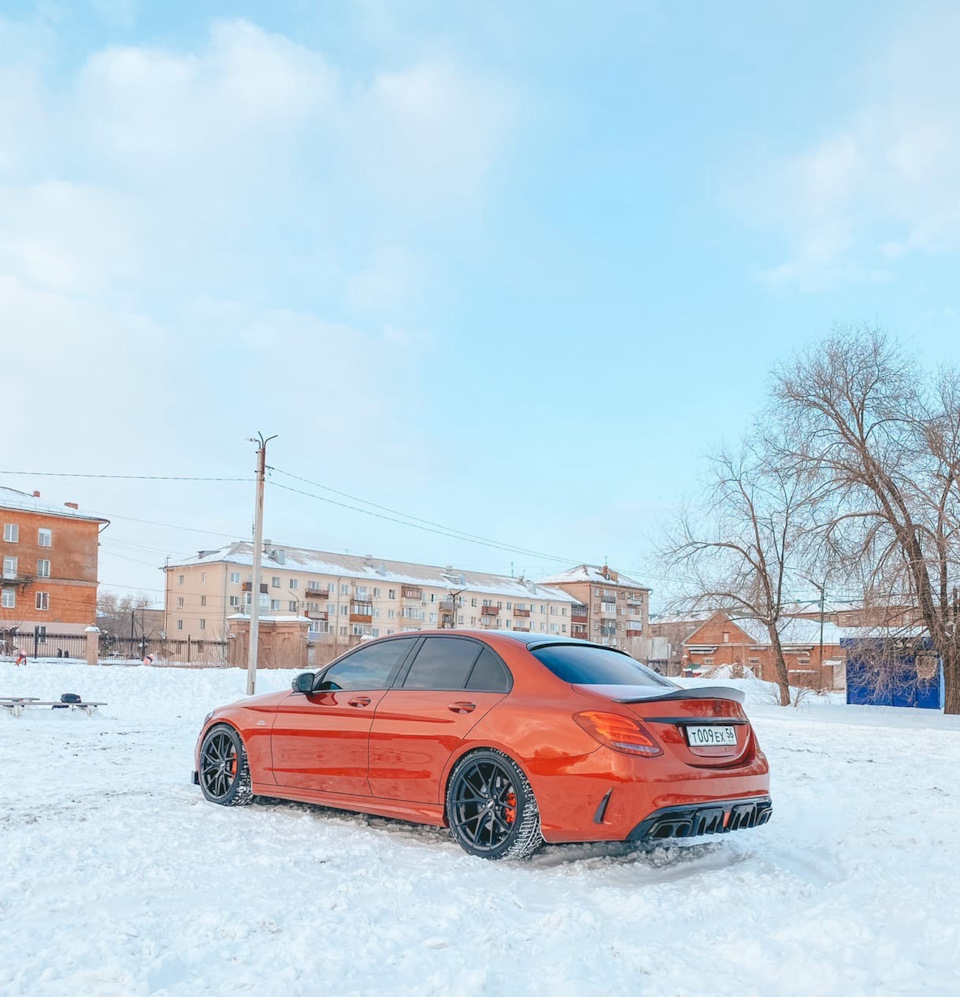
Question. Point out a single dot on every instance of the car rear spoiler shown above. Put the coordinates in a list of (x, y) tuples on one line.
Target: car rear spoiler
[(652, 694)]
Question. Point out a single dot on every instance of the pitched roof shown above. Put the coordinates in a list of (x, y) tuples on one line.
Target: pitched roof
[(376, 570), (11, 498), (593, 573)]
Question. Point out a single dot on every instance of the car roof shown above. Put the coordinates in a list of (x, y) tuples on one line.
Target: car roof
[(530, 639)]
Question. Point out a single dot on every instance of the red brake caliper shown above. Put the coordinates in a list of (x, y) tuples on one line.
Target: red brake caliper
[(510, 813)]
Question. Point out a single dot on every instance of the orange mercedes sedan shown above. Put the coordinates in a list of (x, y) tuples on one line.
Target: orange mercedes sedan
[(508, 738)]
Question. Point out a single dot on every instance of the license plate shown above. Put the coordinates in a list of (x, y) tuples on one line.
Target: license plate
[(716, 735)]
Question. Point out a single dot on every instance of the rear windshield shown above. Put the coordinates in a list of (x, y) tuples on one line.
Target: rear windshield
[(596, 666)]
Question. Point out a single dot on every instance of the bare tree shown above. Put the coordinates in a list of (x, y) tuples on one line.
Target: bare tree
[(877, 439), (737, 552)]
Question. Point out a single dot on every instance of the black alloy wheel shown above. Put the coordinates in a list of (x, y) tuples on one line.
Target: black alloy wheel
[(224, 774), (491, 808)]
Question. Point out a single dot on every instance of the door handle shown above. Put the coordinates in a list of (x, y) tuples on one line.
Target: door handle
[(359, 701), (462, 707)]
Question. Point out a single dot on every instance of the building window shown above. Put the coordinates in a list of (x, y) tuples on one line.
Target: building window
[(274, 605), (43, 568), (234, 600), (8, 600), (179, 624), (11, 533), (331, 587), (294, 583), (344, 589), (292, 605), (275, 582), (203, 577), (10, 567), (391, 593), (343, 631), (179, 579), (44, 538), (203, 624), (391, 614), (179, 602), (234, 576), (344, 610), (376, 593), (43, 601), (203, 600)]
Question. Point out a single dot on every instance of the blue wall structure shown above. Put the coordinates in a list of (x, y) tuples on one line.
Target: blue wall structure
[(905, 689)]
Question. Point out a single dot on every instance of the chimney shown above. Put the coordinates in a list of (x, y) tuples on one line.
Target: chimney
[(36, 495), (71, 505)]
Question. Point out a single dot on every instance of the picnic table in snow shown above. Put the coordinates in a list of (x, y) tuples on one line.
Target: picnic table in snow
[(15, 704)]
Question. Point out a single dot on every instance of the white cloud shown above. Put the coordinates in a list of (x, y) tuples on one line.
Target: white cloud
[(196, 244), (884, 184)]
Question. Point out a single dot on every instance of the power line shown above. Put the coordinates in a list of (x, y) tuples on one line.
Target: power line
[(415, 523), (119, 477)]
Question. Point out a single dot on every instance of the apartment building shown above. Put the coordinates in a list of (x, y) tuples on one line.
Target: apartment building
[(50, 555), (610, 608), (347, 597)]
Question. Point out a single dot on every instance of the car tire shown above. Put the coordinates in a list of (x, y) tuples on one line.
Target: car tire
[(224, 773), (491, 808)]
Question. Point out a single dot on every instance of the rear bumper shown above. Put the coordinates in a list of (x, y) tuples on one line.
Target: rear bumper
[(692, 820)]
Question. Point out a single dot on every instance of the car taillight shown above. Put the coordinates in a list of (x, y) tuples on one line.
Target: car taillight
[(619, 733)]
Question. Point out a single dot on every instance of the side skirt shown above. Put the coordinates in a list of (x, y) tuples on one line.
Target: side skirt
[(418, 813)]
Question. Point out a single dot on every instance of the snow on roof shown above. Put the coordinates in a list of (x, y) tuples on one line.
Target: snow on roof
[(594, 573), (691, 617), (793, 631), (11, 498), (376, 570)]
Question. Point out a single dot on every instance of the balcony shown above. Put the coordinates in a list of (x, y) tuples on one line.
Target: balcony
[(579, 613), (316, 594), (521, 612), (489, 610), (314, 614), (525, 627), (447, 605), (361, 612), (608, 608)]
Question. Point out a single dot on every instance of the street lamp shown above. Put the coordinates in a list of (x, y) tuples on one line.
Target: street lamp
[(822, 589)]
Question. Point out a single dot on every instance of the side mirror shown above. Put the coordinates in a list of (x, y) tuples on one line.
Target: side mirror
[(303, 682)]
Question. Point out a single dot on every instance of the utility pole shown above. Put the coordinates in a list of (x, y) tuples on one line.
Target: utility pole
[(257, 553)]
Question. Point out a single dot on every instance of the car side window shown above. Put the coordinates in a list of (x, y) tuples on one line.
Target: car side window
[(367, 668), (488, 674), (442, 663)]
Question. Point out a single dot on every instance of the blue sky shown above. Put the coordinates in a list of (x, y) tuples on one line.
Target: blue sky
[(509, 270)]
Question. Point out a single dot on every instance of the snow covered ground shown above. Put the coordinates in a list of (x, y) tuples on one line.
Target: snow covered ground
[(117, 878)]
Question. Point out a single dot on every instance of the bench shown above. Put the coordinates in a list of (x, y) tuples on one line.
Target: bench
[(15, 704)]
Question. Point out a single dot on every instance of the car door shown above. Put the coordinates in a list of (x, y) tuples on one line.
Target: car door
[(440, 695), (319, 740)]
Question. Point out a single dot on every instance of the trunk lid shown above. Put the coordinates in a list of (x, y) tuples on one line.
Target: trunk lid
[(694, 725)]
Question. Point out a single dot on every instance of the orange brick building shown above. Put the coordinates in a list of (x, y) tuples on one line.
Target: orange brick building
[(721, 640), (49, 570)]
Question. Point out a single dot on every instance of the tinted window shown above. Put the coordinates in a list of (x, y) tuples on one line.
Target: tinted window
[(488, 674), (596, 666), (369, 668), (442, 663)]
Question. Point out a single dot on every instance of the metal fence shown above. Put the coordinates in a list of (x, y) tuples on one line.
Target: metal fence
[(112, 648), (43, 645)]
